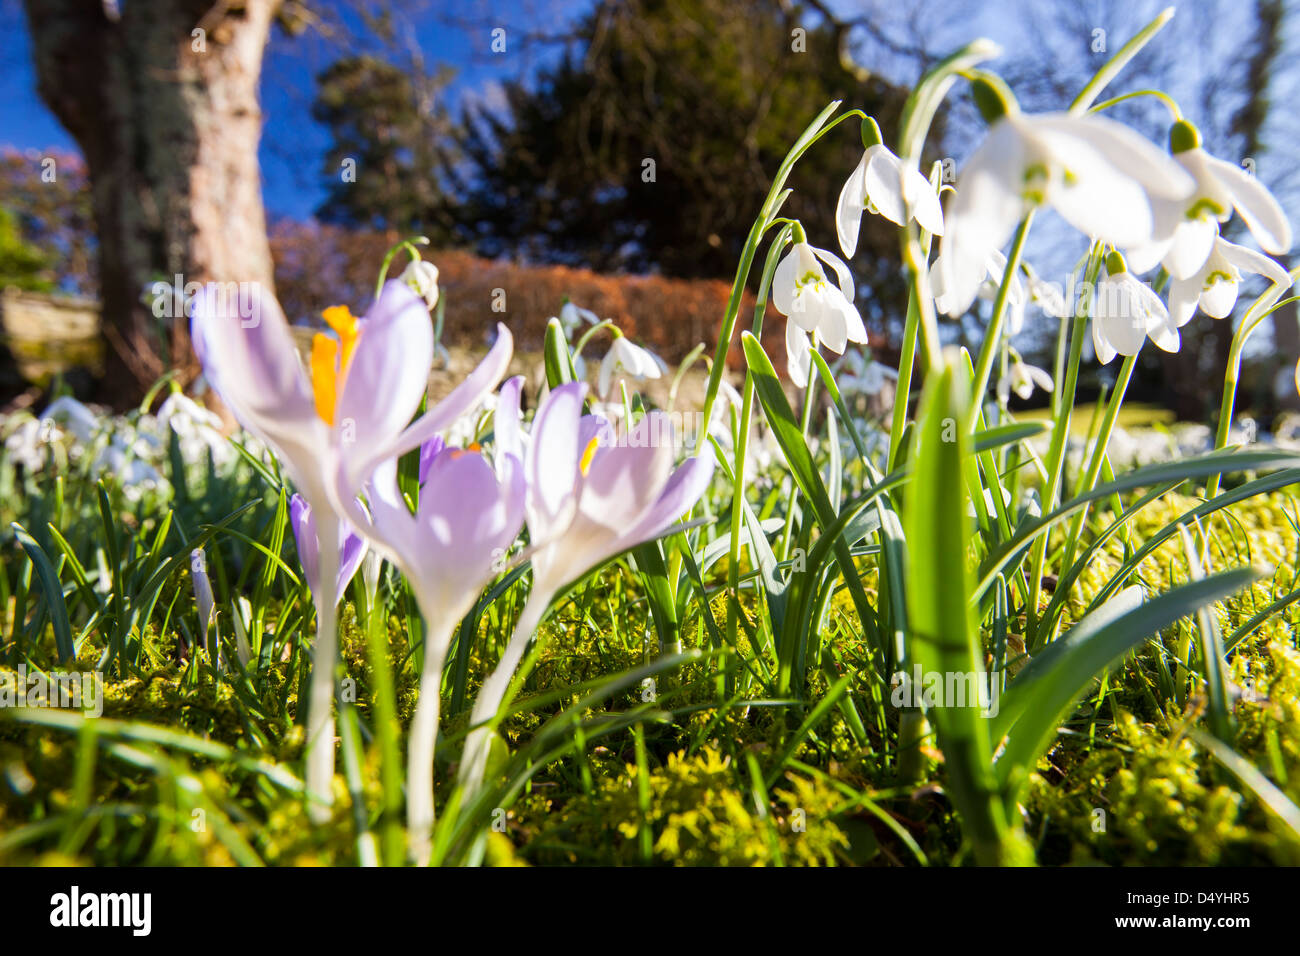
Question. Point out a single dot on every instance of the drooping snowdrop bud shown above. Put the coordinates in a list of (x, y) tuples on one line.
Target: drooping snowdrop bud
[(1099, 175), (1022, 378), (421, 276), (882, 185), (633, 360), (812, 304), (1126, 312), (1215, 284), (572, 317), (1186, 229)]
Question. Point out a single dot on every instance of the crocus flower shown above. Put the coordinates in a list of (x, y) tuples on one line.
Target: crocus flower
[(206, 605), (801, 292), (421, 277), (330, 427), (588, 500), (449, 550), (1186, 229), (351, 549), (1214, 285), (1099, 175), (880, 184), (1126, 312), (638, 363)]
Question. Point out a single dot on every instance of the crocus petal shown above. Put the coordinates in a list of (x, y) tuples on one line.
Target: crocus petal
[(684, 488), (355, 470), (508, 432), (429, 452), (1256, 206), (251, 361), (848, 211), (464, 525), (389, 372), (352, 552), (553, 460)]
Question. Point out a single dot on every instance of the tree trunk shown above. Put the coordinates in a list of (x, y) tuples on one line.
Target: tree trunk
[(162, 99)]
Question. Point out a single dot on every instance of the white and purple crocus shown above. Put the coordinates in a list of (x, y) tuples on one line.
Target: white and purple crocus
[(590, 497), (330, 424)]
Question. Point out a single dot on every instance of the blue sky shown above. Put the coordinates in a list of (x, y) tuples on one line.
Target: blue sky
[(293, 144)]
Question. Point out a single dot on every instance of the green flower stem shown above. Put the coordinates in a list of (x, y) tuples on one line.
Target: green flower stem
[(1056, 457), (915, 259), (806, 428), (775, 197), (1098, 456), (993, 337), (906, 363), (1115, 64), (741, 443), (407, 244), (1265, 306), (384, 706)]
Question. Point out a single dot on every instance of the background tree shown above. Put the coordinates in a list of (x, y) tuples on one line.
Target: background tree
[(162, 99), (392, 143), (651, 142)]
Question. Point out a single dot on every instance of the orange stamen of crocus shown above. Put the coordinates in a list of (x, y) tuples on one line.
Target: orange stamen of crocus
[(330, 358), (585, 463)]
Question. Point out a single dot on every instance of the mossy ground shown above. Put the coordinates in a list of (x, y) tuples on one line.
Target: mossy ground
[(1126, 783)]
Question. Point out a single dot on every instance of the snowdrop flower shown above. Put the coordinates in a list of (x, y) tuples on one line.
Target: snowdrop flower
[(351, 546), (1214, 285), (801, 292), (1048, 297), (76, 417), (28, 444), (1186, 228), (198, 429), (880, 184), (421, 276), (639, 363), (1126, 312), (1099, 175), (1022, 378), (331, 427), (588, 500), (134, 474), (857, 373), (573, 316)]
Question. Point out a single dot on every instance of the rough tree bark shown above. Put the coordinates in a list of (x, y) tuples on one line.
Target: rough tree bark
[(162, 98)]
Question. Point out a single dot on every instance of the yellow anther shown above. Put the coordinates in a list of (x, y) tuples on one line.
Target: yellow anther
[(585, 463), (331, 357)]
